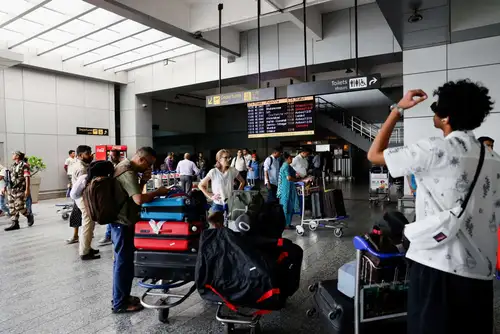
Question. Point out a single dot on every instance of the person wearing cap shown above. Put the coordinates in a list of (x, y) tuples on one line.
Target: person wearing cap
[(19, 191)]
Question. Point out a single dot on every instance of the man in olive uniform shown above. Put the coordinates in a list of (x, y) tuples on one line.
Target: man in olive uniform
[(19, 191)]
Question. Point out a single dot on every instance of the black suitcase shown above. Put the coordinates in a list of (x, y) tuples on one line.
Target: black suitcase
[(165, 265), (290, 266), (329, 204), (334, 308), (338, 200)]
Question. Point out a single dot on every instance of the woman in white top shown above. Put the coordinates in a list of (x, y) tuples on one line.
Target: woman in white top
[(241, 165), (222, 177)]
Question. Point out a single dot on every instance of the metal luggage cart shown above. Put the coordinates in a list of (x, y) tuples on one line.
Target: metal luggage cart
[(380, 187), (166, 300), (336, 223), (252, 321), (380, 291), (65, 210)]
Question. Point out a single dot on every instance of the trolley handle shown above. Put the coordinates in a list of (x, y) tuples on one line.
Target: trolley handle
[(362, 245)]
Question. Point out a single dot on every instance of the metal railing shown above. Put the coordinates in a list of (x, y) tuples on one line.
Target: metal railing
[(355, 124)]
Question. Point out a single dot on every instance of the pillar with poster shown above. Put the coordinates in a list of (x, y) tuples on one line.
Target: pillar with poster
[(102, 152)]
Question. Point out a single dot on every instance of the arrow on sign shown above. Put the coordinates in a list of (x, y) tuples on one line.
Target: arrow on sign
[(372, 81), (210, 100)]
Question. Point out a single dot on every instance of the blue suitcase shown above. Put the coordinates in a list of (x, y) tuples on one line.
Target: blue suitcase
[(180, 208)]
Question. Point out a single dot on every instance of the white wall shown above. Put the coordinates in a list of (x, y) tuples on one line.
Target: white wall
[(178, 118), (478, 60), (282, 47), (39, 113)]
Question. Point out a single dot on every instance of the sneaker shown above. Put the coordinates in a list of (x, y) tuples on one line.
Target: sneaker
[(72, 240), (31, 220), (104, 241), (13, 226), (90, 256)]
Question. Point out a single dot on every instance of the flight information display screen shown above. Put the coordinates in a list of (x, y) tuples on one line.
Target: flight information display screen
[(282, 117)]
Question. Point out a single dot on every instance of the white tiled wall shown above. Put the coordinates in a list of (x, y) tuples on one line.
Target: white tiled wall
[(39, 113), (429, 68)]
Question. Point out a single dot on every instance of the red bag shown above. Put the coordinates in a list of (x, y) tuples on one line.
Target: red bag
[(168, 236)]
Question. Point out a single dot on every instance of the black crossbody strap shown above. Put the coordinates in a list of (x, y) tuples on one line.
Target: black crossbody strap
[(476, 177)]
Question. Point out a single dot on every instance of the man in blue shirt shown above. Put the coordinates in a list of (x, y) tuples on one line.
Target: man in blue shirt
[(271, 174)]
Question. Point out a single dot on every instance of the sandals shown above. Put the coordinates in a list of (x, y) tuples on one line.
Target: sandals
[(72, 240), (133, 305)]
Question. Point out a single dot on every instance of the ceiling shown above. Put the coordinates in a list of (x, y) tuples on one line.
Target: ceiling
[(77, 31), (362, 99)]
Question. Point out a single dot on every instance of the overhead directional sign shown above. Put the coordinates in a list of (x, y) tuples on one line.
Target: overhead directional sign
[(341, 85), (241, 97), (92, 131)]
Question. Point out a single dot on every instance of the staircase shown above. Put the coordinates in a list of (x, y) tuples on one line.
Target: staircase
[(351, 128)]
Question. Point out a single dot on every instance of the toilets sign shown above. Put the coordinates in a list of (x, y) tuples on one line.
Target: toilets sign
[(357, 83), (342, 85)]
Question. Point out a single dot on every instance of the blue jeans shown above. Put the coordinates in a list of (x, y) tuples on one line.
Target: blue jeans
[(107, 234), (3, 205), (29, 203), (123, 265), (218, 208)]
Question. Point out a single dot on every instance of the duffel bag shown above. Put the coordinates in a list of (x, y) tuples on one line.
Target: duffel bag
[(232, 270)]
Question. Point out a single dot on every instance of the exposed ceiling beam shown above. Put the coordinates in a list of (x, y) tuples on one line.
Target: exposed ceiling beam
[(52, 28), (81, 37), (163, 20), (145, 57), (314, 24), (26, 12), (106, 44), (128, 50), (155, 61), (273, 4)]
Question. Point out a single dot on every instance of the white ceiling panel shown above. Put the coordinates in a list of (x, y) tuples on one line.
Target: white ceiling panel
[(77, 31)]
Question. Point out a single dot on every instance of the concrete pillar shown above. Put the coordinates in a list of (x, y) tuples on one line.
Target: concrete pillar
[(429, 68), (135, 119)]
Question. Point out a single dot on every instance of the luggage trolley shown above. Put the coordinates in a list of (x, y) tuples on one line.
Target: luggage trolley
[(380, 291), (379, 190), (65, 210), (166, 300), (336, 223)]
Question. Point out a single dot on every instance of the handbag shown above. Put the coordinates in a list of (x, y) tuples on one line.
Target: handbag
[(75, 218), (443, 227)]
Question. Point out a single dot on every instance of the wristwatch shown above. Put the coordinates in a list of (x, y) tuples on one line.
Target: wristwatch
[(398, 108)]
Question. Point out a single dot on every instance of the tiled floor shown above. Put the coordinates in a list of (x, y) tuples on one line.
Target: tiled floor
[(45, 288)]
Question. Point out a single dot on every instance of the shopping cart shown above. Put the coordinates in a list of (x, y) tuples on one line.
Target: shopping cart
[(381, 289), (336, 223), (379, 190)]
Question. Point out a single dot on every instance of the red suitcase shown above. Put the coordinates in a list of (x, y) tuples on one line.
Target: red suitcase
[(168, 236)]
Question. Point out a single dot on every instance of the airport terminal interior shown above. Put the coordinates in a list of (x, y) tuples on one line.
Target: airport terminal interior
[(198, 76)]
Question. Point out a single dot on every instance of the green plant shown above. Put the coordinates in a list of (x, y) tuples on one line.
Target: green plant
[(36, 165)]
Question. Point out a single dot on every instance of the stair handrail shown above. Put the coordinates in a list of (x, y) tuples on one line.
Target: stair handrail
[(356, 124)]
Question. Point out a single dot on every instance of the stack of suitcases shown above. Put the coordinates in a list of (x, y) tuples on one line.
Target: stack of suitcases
[(167, 238)]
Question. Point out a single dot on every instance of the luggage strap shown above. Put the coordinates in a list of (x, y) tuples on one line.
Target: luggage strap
[(233, 308), (282, 256)]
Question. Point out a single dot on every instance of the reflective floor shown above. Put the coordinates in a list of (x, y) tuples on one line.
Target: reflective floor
[(45, 288)]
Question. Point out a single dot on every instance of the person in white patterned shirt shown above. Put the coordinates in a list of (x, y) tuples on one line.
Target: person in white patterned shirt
[(450, 275)]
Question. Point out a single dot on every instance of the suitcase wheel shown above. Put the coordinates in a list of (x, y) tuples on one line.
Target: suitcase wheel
[(334, 314), (313, 287), (338, 232), (311, 312)]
